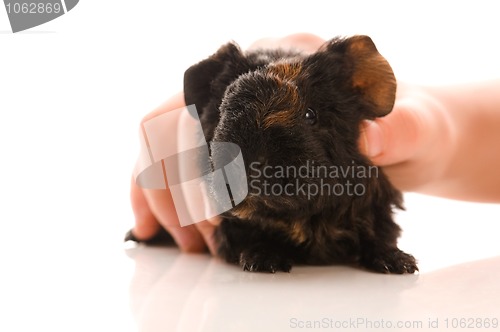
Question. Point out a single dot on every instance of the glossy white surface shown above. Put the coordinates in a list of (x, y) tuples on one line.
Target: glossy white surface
[(95, 282), (197, 293), (72, 93), (193, 293)]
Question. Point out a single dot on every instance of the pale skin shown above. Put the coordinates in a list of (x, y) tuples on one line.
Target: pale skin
[(437, 140)]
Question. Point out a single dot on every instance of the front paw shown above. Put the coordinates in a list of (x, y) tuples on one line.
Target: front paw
[(260, 260), (392, 261)]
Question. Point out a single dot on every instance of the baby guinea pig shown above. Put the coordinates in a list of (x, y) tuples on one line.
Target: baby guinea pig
[(313, 197)]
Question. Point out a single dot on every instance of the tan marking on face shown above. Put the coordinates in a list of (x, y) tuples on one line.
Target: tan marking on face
[(285, 74), (285, 70), (282, 118)]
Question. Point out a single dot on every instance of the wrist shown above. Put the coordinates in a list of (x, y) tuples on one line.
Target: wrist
[(472, 111)]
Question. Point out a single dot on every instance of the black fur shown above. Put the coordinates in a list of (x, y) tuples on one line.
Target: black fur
[(259, 101)]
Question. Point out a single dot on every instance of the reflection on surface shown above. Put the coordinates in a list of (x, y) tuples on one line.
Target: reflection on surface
[(183, 292)]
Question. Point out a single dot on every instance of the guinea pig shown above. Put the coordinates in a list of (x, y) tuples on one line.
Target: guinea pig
[(313, 198)]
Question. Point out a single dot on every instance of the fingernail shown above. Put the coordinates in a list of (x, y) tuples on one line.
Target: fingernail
[(129, 236), (373, 140)]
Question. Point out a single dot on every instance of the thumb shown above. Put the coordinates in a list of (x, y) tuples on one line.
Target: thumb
[(394, 138)]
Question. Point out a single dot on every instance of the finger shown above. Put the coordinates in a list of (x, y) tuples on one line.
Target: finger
[(307, 42), (146, 225), (160, 210), (160, 202), (206, 230), (162, 206), (263, 43), (394, 138), (188, 238)]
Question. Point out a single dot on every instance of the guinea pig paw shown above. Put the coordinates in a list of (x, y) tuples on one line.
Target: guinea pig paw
[(394, 261), (255, 260)]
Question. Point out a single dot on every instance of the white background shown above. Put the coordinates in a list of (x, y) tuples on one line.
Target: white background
[(73, 91)]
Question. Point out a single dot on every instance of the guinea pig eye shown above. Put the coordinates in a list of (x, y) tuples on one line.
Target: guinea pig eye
[(310, 116)]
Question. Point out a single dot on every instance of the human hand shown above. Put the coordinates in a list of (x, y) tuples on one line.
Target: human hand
[(414, 143), (154, 208)]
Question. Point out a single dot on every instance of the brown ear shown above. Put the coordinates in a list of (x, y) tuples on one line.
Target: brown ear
[(373, 76)]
